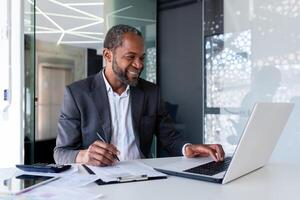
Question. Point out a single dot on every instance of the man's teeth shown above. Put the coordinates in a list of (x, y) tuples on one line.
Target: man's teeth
[(133, 73)]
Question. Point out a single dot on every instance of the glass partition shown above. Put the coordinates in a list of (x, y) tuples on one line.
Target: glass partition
[(251, 55), (29, 66), (64, 44), (142, 15)]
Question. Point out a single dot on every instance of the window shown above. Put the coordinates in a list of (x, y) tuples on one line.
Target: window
[(251, 54)]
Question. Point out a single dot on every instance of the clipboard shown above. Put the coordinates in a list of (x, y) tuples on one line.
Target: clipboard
[(125, 179)]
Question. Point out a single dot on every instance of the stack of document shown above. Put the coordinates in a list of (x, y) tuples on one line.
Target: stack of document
[(68, 184), (125, 171)]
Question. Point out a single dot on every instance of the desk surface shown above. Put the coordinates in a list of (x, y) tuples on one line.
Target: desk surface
[(274, 181)]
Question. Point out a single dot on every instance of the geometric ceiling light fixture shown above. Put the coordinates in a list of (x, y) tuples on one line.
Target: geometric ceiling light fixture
[(70, 23), (113, 13), (78, 10)]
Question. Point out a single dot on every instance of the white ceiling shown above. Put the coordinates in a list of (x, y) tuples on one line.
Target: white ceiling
[(81, 22)]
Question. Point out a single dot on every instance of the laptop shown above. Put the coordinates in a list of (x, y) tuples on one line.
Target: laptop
[(260, 135)]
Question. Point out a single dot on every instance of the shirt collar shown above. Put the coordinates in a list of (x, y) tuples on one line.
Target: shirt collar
[(109, 88)]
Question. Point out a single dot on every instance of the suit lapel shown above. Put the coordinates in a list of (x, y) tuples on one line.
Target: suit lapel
[(99, 96), (137, 102)]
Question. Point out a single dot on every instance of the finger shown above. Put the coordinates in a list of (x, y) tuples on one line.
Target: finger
[(198, 150), (222, 152), (194, 151), (189, 151), (109, 147), (212, 153), (95, 162), (103, 160), (89, 158), (101, 152), (96, 151), (216, 147)]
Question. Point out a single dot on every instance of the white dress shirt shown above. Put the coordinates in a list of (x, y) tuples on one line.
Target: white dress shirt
[(122, 129)]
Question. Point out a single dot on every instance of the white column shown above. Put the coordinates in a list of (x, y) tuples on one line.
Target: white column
[(12, 83)]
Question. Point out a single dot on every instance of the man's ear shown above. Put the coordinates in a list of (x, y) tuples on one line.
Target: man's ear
[(107, 54)]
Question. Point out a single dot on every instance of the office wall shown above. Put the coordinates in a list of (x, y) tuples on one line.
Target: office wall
[(11, 120), (180, 65)]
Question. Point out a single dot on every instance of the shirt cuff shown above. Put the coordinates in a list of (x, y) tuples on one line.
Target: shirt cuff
[(183, 148)]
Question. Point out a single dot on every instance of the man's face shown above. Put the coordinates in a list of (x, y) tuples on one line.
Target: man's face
[(128, 59)]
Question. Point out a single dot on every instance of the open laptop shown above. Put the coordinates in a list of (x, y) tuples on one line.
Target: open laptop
[(255, 146)]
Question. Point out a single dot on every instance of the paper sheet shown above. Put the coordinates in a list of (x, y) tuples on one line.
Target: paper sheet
[(72, 181), (48, 192), (68, 186), (123, 169)]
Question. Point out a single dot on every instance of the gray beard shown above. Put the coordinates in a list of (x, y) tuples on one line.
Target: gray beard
[(121, 75)]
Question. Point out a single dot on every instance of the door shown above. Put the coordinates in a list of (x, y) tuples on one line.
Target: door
[(51, 84)]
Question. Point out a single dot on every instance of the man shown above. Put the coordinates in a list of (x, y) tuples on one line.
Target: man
[(115, 113)]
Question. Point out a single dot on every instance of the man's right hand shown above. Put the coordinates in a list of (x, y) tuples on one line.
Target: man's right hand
[(99, 154)]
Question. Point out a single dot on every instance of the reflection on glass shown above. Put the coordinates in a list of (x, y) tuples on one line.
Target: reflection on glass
[(151, 64), (129, 12), (68, 44), (252, 56), (29, 61), (228, 68)]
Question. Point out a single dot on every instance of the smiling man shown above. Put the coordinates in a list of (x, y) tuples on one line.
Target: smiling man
[(115, 113)]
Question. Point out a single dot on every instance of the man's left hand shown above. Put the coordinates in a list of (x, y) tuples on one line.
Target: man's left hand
[(214, 150)]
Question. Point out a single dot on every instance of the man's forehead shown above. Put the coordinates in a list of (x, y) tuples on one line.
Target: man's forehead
[(130, 39), (133, 44), (135, 53), (131, 52)]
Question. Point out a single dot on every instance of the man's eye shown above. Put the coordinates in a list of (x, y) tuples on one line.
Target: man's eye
[(130, 57)]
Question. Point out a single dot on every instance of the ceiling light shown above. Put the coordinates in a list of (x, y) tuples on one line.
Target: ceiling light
[(84, 26), (82, 35), (86, 4), (81, 42), (62, 15), (134, 18), (88, 33), (116, 11), (60, 39), (47, 17), (47, 32), (58, 29), (77, 10), (45, 28)]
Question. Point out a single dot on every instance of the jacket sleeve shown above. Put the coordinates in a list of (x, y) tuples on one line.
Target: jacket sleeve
[(168, 137), (68, 141)]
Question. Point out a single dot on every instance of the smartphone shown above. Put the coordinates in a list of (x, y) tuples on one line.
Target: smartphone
[(24, 182)]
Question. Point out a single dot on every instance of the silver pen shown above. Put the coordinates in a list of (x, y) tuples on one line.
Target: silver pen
[(101, 138)]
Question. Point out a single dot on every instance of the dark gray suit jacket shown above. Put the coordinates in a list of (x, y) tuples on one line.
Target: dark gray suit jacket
[(85, 111)]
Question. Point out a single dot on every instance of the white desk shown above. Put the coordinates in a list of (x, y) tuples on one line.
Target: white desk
[(276, 181)]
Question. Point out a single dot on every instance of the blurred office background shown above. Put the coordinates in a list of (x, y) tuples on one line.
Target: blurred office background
[(66, 39), (212, 59)]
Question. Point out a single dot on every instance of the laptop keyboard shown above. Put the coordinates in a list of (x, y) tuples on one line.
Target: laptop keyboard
[(211, 168)]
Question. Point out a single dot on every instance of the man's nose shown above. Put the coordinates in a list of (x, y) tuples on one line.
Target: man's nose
[(138, 63)]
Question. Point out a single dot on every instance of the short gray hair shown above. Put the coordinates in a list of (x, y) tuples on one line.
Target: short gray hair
[(114, 36)]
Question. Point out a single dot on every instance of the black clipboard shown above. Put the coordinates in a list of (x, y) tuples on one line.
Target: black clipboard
[(139, 178)]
